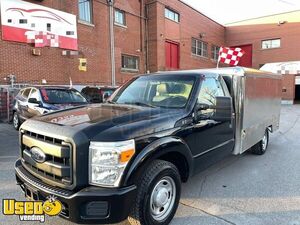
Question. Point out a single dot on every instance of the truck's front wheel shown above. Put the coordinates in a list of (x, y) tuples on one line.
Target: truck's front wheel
[(158, 195)]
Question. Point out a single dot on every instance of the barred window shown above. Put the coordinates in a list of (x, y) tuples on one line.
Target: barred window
[(130, 62), (199, 48), (215, 52)]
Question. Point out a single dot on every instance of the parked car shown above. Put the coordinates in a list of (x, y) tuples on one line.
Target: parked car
[(34, 101), (97, 95), (129, 156)]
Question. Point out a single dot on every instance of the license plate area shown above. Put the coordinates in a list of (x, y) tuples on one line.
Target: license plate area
[(31, 194)]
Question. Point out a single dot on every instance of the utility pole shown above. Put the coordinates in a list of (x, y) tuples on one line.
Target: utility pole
[(112, 42)]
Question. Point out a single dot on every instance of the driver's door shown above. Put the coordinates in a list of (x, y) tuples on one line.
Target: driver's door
[(212, 138)]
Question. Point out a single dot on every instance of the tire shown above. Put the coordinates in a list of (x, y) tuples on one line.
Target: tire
[(16, 121), (261, 147), (158, 194)]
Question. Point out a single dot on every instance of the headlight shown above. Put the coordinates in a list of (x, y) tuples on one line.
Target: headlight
[(108, 161)]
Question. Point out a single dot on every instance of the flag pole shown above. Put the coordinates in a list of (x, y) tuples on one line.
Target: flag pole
[(220, 50)]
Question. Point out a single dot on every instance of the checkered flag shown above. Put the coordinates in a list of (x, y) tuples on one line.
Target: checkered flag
[(231, 56)]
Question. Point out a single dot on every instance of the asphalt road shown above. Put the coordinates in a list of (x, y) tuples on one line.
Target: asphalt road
[(241, 190)]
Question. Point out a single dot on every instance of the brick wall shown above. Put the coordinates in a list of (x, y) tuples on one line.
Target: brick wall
[(17, 58), (191, 24), (256, 30), (6, 103)]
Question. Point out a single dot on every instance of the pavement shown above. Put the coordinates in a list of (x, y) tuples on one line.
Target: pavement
[(240, 190)]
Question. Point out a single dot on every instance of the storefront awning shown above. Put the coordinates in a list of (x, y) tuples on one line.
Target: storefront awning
[(282, 67)]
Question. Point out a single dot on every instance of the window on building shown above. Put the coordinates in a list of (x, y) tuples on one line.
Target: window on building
[(130, 62), (273, 43), (120, 17), (170, 14), (85, 10), (215, 52), (199, 47)]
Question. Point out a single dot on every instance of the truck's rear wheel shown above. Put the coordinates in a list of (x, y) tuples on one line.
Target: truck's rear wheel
[(159, 190), (261, 147)]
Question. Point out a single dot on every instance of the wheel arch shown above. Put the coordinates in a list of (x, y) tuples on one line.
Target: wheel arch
[(171, 149)]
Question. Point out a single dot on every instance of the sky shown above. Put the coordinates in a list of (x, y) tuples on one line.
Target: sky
[(226, 11)]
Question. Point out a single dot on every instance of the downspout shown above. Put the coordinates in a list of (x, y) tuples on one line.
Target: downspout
[(112, 42), (147, 37), (142, 41)]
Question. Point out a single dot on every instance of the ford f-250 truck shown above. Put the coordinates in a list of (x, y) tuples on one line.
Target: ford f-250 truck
[(128, 157)]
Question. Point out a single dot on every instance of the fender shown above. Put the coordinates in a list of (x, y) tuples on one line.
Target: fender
[(157, 149)]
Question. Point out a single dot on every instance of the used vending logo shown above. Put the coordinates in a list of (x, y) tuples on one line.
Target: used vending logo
[(32, 210)]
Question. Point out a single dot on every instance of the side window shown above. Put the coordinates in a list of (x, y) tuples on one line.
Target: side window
[(35, 94), (26, 92), (210, 89), (20, 93)]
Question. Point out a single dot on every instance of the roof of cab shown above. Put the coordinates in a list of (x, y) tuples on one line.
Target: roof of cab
[(212, 72)]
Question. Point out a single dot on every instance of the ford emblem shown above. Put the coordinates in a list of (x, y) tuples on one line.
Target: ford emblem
[(38, 155)]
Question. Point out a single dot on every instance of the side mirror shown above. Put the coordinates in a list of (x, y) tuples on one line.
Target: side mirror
[(223, 109), (34, 101), (202, 106)]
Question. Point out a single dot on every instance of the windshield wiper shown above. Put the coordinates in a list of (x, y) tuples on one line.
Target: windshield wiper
[(139, 104)]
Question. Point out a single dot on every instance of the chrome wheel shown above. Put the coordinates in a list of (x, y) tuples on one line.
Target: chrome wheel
[(163, 198), (264, 142), (16, 121)]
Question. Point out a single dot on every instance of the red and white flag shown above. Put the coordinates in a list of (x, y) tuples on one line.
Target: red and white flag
[(231, 56)]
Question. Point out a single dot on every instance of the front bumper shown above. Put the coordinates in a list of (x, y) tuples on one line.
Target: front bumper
[(90, 205)]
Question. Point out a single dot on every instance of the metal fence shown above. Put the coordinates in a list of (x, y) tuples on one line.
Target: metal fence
[(7, 96)]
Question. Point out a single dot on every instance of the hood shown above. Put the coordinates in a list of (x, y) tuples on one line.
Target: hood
[(108, 122)]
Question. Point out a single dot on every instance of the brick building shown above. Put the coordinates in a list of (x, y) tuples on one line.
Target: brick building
[(271, 43), (180, 37), (93, 45), (148, 35)]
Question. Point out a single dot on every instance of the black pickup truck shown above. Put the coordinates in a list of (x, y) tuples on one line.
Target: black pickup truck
[(128, 157)]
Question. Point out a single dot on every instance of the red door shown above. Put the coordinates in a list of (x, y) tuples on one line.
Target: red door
[(246, 60), (172, 55)]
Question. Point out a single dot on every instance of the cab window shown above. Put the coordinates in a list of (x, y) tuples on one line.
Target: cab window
[(165, 91)]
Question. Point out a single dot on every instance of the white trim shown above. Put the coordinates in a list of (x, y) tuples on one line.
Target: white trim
[(86, 23), (120, 25)]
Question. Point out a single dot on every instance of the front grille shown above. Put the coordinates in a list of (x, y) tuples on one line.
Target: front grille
[(58, 164)]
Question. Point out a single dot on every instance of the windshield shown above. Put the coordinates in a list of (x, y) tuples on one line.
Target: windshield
[(62, 96), (164, 91)]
